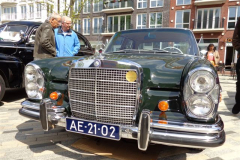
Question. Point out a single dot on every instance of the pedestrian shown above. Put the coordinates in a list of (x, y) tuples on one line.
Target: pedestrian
[(67, 43), (236, 46), (44, 46), (212, 54)]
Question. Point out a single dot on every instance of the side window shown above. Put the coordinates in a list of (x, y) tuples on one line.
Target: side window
[(32, 35)]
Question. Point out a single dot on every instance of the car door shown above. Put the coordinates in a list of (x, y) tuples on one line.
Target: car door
[(28, 46), (85, 46)]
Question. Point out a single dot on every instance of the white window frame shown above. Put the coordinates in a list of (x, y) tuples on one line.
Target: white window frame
[(183, 23), (236, 17), (77, 23), (142, 1), (22, 13), (98, 4), (183, 3), (141, 21), (100, 27), (214, 11), (155, 26), (11, 15), (156, 2), (125, 15), (77, 3), (87, 26), (39, 10), (31, 10), (87, 5)]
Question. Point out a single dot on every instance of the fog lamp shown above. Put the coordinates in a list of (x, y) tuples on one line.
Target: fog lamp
[(163, 106), (54, 96)]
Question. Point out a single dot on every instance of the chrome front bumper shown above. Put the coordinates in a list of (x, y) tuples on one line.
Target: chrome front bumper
[(150, 130)]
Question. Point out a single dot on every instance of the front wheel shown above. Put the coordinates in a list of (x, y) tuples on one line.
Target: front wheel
[(2, 88)]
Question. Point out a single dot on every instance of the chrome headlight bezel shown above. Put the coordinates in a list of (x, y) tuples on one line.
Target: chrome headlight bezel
[(189, 92), (34, 81)]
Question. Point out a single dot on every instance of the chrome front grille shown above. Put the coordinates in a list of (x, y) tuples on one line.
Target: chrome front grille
[(103, 95)]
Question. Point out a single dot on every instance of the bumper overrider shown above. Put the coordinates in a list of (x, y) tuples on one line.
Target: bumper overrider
[(172, 133)]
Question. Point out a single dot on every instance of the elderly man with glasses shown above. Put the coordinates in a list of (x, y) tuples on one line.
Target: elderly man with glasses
[(67, 43), (44, 46)]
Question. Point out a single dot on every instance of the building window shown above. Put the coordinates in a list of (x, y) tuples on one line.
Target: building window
[(155, 20), (9, 13), (118, 23), (49, 9), (86, 26), (156, 3), (141, 21), (142, 4), (86, 7), (77, 5), (118, 4), (23, 12), (234, 13), (77, 25), (183, 19), (39, 10), (183, 2), (31, 11), (208, 18), (97, 25), (98, 6)]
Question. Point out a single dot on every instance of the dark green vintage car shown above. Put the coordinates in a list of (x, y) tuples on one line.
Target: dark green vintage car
[(150, 85)]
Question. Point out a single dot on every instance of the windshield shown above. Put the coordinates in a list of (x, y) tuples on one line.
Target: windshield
[(12, 33), (156, 40)]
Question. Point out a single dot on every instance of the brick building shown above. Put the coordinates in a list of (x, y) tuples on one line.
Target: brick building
[(99, 21), (213, 20)]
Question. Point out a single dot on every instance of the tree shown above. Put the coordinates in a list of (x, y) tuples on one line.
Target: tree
[(71, 8)]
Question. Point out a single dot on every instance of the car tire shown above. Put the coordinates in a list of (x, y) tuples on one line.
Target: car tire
[(2, 87)]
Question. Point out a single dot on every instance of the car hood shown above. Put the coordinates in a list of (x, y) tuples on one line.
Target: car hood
[(159, 71)]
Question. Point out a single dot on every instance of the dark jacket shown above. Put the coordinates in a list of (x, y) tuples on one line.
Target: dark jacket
[(44, 46), (236, 36)]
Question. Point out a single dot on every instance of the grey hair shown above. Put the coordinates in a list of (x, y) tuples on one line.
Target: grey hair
[(64, 18), (54, 15)]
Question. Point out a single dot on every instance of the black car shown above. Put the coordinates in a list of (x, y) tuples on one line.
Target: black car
[(16, 50)]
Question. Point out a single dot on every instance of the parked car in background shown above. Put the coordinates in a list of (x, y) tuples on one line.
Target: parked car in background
[(16, 50), (150, 85)]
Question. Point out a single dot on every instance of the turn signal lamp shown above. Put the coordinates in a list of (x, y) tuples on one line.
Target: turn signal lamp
[(163, 106), (54, 96)]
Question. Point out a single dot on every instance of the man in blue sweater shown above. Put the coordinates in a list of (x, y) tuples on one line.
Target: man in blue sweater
[(67, 43)]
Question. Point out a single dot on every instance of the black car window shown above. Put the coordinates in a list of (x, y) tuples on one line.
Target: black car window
[(32, 35), (11, 33), (82, 43), (156, 40)]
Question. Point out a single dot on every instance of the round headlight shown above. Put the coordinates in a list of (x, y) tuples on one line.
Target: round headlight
[(32, 90), (30, 74), (199, 105), (34, 81), (202, 81)]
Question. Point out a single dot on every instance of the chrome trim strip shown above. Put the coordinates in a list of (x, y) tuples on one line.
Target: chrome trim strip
[(32, 48), (190, 127), (5, 61), (31, 105), (102, 80), (102, 92), (30, 112), (102, 104)]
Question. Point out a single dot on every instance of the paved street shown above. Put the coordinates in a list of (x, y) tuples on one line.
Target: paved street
[(22, 138)]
